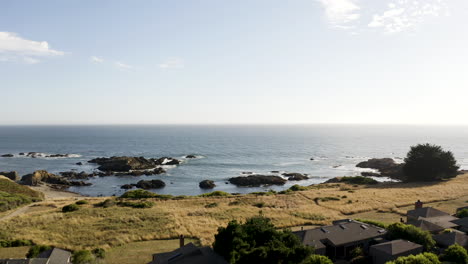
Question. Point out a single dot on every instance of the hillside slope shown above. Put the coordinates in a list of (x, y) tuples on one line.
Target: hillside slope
[(13, 195)]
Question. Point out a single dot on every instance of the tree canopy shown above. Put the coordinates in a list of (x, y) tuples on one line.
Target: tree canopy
[(456, 254), (257, 241), (411, 233), (426, 162), (424, 258)]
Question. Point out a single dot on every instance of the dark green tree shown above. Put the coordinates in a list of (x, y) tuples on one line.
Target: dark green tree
[(35, 250), (424, 258), (257, 241), (411, 233), (317, 259), (456, 254), (83, 257), (462, 213), (426, 162)]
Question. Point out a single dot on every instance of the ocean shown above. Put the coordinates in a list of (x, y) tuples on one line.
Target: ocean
[(223, 151)]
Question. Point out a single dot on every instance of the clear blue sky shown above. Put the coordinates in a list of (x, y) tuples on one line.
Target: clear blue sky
[(224, 62)]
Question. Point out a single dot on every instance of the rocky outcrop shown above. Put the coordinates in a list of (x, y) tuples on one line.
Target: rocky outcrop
[(12, 175), (370, 174), (79, 163), (190, 157), (296, 176), (39, 176), (127, 164), (152, 184), (7, 155), (75, 175), (257, 180), (386, 166), (127, 186), (207, 184)]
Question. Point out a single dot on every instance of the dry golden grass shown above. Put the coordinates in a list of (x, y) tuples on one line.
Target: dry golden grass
[(13, 252), (92, 227), (142, 252)]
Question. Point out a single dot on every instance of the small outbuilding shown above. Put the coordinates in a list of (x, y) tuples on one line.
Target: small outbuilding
[(388, 251)]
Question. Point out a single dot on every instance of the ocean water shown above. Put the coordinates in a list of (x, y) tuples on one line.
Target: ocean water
[(224, 151)]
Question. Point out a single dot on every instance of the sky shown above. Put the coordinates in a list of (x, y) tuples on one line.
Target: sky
[(233, 62)]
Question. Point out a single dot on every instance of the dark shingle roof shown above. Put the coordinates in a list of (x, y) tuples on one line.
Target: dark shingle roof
[(426, 225), (340, 234), (461, 222), (426, 212), (448, 239), (396, 247), (189, 254)]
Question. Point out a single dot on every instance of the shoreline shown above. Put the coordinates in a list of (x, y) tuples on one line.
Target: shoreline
[(51, 193)]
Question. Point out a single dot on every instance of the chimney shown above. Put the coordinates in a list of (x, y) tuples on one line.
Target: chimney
[(182, 240), (302, 228), (418, 204)]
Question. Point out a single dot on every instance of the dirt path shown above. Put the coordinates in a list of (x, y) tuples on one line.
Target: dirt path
[(17, 212)]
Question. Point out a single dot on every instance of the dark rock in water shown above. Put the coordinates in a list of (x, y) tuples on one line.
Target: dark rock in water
[(170, 161), (7, 155), (296, 176), (336, 166), (386, 166), (79, 163), (257, 180), (312, 159), (12, 175), (207, 184), (190, 157), (274, 171), (58, 156), (247, 172), (159, 170), (369, 174), (123, 164), (80, 183), (153, 184), (126, 186), (75, 175), (21, 153)]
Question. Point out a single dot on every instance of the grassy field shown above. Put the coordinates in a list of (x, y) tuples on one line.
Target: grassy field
[(142, 252), (199, 217), (13, 252), (13, 195)]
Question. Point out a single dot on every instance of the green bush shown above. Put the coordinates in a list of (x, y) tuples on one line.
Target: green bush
[(361, 180), (70, 208), (34, 251), (424, 258), (259, 204), (455, 254), (15, 243), (426, 162), (411, 233), (317, 259), (462, 213), (138, 194), (215, 194), (258, 241), (99, 253), (297, 187), (81, 202), (143, 204), (83, 257), (106, 203), (211, 205)]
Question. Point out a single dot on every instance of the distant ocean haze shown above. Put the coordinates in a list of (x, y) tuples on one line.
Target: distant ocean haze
[(222, 151)]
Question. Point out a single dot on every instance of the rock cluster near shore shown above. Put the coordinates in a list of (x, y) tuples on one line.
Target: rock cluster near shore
[(128, 164), (386, 166), (207, 184), (12, 175), (40, 176), (257, 180), (146, 185)]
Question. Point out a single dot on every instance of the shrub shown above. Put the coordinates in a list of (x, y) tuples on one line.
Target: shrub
[(257, 241), (81, 202), (317, 259), (34, 251), (424, 258), (462, 213), (411, 233), (82, 257), (99, 253), (143, 204), (326, 199), (106, 203), (15, 243), (211, 205), (215, 194), (356, 252), (138, 194), (70, 208), (259, 205), (297, 187), (426, 162), (456, 254), (361, 180)]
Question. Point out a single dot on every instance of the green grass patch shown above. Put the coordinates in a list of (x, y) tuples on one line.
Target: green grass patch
[(13, 195), (215, 194)]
